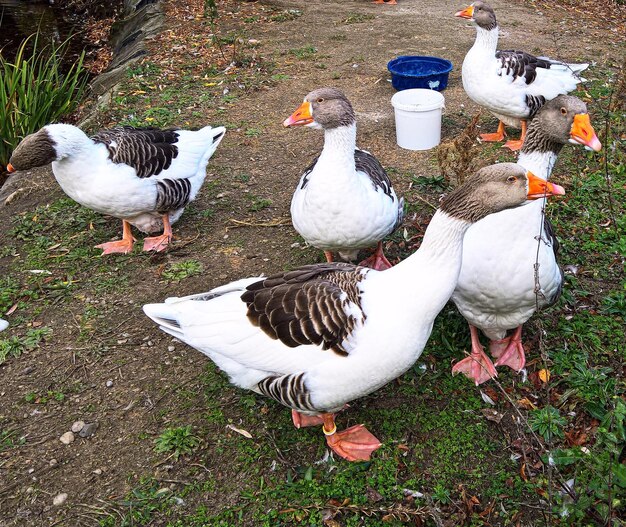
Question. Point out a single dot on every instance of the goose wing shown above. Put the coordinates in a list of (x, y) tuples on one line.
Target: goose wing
[(317, 304), (148, 150)]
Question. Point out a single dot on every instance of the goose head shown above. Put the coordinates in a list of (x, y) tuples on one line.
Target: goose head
[(480, 13), (325, 108), (565, 119), (495, 188), (52, 143)]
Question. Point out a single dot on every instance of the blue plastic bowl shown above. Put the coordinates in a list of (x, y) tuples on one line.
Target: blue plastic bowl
[(419, 72)]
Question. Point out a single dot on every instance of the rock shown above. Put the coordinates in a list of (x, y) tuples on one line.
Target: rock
[(59, 499), (88, 430), (109, 383), (52, 462), (77, 426), (67, 438), (98, 471), (171, 348)]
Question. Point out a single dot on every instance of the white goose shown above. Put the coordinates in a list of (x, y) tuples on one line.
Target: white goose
[(325, 334), (344, 201), (146, 177), (3, 324), (497, 289), (510, 84)]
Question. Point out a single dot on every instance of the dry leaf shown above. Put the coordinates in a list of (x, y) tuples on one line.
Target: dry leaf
[(544, 375), (526, 404), (241, 431), (492, 415)]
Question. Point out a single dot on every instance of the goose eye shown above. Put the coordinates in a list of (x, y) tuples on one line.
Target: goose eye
[(563, 111), (320, 99), (511, 179)]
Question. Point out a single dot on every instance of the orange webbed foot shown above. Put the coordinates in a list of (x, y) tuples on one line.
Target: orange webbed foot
[(354, 444), (123, 246), (157, 243), (514, 144)]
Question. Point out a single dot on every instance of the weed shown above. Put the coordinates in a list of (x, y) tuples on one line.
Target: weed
[(304, 53), (287, 14), (180, 270), (547, 422), (10, 439), (179, 441), (253, 132), (15, 346), (357, 18), (258, 203)]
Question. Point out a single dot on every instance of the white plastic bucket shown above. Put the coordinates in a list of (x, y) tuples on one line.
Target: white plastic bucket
[(418, 118)]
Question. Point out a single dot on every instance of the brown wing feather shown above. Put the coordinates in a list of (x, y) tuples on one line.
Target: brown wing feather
[(308, 305)]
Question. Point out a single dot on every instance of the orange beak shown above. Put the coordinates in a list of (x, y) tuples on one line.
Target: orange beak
[(468, 13), (583, 133), (10, 168), (301, 116), (538, 188)]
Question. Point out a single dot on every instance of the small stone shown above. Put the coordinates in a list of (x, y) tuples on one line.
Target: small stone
[(77, 426), (98, 471), (59, 499), (28, 369), (88, 430), (67, 438), (109, 383), (52, 462), (171, 348), (30, 490)]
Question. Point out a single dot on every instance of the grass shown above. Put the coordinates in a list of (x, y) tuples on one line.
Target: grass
[(441, 456), (35, 90)]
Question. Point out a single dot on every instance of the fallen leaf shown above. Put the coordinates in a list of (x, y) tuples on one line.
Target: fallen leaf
[(526, 404), (522, 472), (241, 431), (544, 375), (492, 415)]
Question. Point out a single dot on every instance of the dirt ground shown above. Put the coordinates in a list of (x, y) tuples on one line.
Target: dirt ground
[(109, 363)]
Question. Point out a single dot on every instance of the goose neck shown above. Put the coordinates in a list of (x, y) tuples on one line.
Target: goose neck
[(339, 144), (486, 39)]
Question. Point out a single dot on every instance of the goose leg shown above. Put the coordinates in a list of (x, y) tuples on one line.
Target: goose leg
[(354, 444), (123, 246), (377, 260), (302, 420), (499, 135), (477, 366), (329, 256), (516, 144), (509, 350), (160, 243)]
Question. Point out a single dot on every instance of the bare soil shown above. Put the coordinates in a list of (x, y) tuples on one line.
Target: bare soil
[(115, 369)]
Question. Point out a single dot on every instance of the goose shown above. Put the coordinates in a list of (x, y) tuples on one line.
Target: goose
[(344, 201), (322, 335), (144, 176), (3, 324), (512, 85), (496, 290)]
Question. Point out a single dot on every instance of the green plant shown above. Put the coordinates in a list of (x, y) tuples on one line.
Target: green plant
[(179, 441), (181, 270), (35, 90), (305, 52), (547, 422), (15, 346), (258, 203)]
